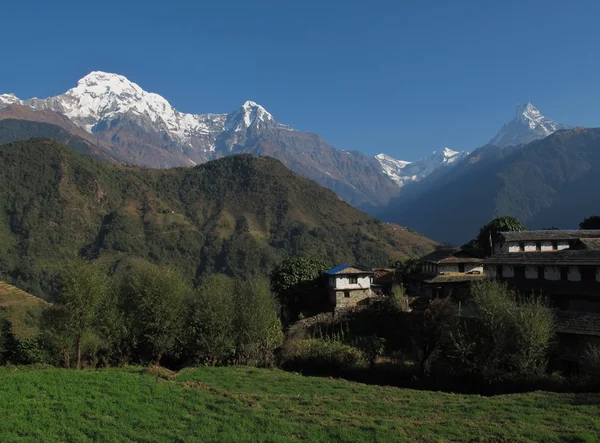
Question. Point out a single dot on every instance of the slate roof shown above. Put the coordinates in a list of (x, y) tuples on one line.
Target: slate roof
[(451, 255), (455, 277), (347, 270), (550, 235), (580, 323), (575, 257)]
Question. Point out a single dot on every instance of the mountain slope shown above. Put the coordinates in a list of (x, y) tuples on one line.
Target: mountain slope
[(238, 215), (15, 130), (142, 128), (549, 182), (403, 172), (528, 125)]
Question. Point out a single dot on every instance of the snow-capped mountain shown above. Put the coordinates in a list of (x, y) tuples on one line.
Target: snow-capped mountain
[(528, 125), (143, 128), (403, 172)]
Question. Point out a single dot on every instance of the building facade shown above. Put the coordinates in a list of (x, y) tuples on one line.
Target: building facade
[(564, 268), (348, 286), (446, 272)]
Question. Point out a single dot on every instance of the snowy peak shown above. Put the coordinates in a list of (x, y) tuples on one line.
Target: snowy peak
[(528, 125), (250, 114), (8, 99), (403, 172)]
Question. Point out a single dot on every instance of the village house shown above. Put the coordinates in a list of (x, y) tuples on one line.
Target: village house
[(562, 266), (348, 286), (445, 272)]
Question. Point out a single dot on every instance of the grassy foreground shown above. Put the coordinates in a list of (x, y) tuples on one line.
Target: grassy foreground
[(248, 404)]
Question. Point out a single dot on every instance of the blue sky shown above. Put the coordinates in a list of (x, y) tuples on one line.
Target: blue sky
[(401, 77)]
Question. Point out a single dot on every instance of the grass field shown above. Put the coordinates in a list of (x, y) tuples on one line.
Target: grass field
[(247, 404)]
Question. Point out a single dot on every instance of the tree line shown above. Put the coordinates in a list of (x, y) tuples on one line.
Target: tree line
[(149, 314)]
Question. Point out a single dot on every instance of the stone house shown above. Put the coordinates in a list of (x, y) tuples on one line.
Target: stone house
[(564, 268), (446, 272), (348, 286)]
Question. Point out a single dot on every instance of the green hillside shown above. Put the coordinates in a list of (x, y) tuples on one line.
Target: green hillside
[(248, 404), (238, 215)]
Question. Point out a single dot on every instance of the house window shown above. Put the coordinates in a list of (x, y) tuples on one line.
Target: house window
[(461, 267), (353, 280), (347, 294), (538, 245), (554, 245), (564, 273), (499, 271), (588, 273), (522, 246), (541, 272), (520, 272)]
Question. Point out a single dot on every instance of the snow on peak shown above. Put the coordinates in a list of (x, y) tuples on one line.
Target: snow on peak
[(403, 172), (8, 99), (247, 115), (529, 124), (103, 97)]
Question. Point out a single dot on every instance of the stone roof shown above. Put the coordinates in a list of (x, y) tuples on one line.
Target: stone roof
[(550, 235), (451, 255), (565, 257), (347, 270), (591, 243), (453, 277), (580, 323)]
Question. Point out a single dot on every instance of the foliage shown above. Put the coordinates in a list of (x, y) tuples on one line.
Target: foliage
[(257, 323), (211, 333), (372, 348), (153, 298), (9, 345), (591, 363), (320, 356), (508, 338), (82, 288), (397, 300), (409, 266), (491, 230), (238, 216), (592, 222), (299, 285), (431, 333)]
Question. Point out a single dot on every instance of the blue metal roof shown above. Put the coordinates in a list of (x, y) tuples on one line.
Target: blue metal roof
[(339, 269)]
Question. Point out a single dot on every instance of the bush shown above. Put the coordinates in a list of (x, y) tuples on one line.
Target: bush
[(508, 338), (35, 350), (591, 363), (320, 356)]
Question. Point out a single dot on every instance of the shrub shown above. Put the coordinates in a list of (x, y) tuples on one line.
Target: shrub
[(508, 337), (320, 356), (591, 363)]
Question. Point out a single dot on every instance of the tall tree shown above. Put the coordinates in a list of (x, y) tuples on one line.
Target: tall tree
[(257, 323), (211, 333), (491, 230), (81, 289), (297, 283), (153, 298), (592, 222)]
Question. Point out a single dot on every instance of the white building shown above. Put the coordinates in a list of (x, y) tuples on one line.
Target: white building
[(348, 285)]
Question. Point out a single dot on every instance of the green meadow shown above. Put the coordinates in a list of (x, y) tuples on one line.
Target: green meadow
[(249, 404)]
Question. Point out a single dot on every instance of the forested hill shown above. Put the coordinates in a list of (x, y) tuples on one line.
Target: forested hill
[(238, 215)]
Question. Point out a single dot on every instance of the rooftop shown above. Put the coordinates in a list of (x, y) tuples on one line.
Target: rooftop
[(581, 323), (550, 235), (347, 269), (589, 257), (451, 255)]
